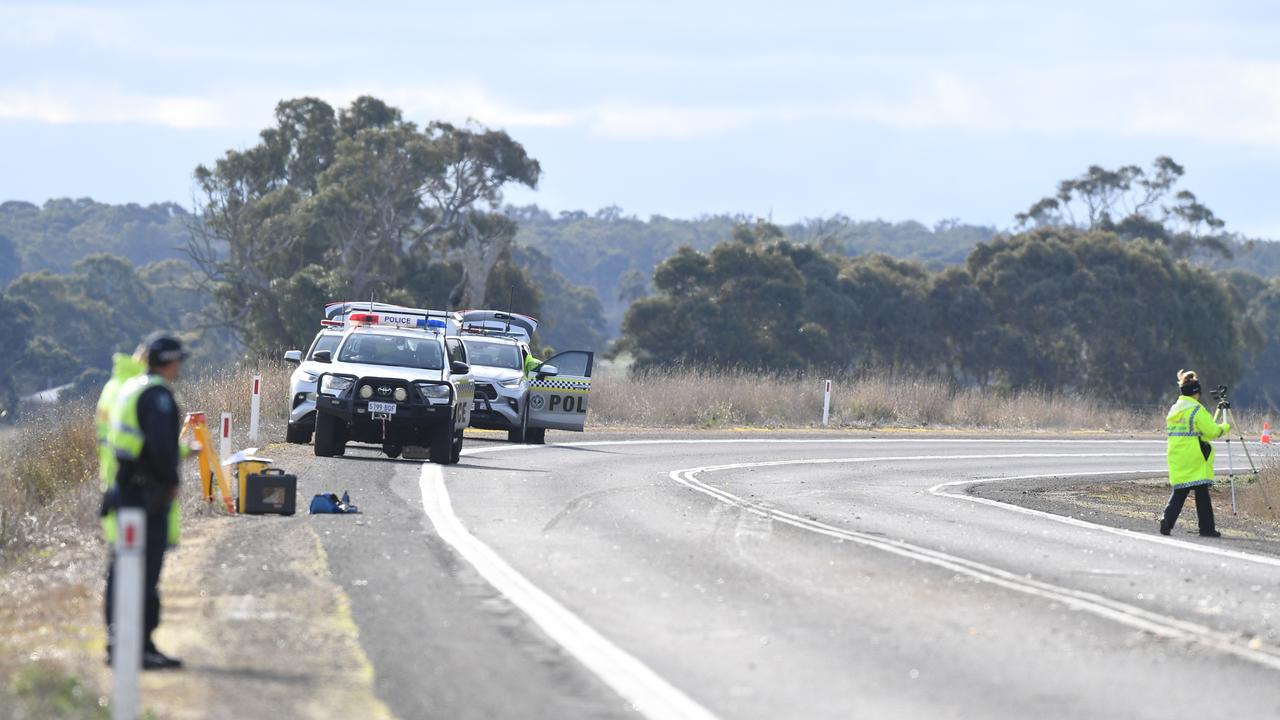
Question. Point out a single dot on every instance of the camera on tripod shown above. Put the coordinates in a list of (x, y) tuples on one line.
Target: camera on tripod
[(1220, 394)]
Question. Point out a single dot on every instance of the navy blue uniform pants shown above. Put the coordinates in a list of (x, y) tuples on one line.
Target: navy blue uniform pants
[(157, 541)]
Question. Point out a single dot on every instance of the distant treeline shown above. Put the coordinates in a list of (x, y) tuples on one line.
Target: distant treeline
[(1058, 309), (616, 253), (1109, 285)]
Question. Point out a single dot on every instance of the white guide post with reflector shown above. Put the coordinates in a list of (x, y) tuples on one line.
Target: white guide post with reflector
[(224, 433), (826, 404), (255, 402), (126, 650)]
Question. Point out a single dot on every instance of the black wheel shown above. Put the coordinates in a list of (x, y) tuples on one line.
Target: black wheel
[(330, 436), (456, 454), (517, 434), (441, 448), (297, 434), (392, 451), (535, 436)]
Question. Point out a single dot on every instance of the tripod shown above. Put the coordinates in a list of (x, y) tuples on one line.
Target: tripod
[(1224, 410)]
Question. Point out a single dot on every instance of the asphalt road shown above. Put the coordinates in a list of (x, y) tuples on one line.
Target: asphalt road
[(766, 577)]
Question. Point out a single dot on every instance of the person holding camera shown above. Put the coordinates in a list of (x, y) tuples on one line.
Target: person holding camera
[(1190, 427)]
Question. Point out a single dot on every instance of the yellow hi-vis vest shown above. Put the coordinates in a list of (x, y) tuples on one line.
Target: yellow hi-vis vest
[(125, 438), (123, 367), (1188, 423)]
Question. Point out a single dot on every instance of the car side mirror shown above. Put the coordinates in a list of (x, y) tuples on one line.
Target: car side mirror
[(459, 368), (293, 356), (323, 356), (548, 371)]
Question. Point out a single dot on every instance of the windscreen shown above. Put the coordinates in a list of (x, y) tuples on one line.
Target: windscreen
[(325, 343), (398, 351), (492, 354)]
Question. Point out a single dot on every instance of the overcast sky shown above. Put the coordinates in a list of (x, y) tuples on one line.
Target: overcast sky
[(927, 110)]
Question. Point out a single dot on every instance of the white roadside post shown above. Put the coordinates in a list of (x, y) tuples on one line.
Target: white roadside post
[(826, 404), (255, 402), (224, 444), (126, 650)]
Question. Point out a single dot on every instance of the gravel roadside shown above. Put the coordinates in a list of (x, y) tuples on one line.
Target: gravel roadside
[(249, 605)]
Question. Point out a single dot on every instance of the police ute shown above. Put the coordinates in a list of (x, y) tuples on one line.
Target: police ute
[(396, 379), (554, 395), (302, 384)]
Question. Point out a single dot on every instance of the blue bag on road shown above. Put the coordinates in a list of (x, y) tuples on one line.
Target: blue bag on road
[(330, 503)]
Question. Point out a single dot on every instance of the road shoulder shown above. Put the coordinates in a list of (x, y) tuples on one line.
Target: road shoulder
[(1135, 503), (249, 605)]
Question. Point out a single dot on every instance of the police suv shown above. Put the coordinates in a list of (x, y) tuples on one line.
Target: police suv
[(302, 385), (396, 379), (526, 405)]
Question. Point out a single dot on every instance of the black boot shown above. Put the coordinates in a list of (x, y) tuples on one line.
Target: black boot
[(1204, 513), (153, 659)]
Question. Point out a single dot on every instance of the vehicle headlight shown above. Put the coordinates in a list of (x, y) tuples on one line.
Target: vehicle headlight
[(434, 393), (401, 394), (308, 376), (366, 391), (513, 382), (334, 386)]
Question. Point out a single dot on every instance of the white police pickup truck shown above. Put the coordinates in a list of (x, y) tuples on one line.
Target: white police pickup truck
[(396, 379), (526, 405), (302, 385)]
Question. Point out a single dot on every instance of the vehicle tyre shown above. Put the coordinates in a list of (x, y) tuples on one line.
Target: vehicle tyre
[(517, 434), (441, 448), (535, 436), (392, 451), (329, 436), (456, 454), (297, 434)]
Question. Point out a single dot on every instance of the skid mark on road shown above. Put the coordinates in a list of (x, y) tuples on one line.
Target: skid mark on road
[(1124, 613), (648, 693)]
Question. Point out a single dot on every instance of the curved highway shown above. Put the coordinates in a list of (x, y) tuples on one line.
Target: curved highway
[(772, 576)]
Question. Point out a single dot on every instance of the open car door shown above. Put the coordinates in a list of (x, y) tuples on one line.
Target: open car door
[(559, 402)]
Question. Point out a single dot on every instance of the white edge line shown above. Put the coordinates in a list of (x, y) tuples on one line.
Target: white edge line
[(941, 490), (796, 441), (647, 692), (1099, 605)]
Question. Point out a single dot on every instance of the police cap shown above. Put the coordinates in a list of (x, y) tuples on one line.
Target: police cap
[(162, 349)]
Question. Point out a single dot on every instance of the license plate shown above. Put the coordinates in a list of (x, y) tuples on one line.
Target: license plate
[(381, 407)]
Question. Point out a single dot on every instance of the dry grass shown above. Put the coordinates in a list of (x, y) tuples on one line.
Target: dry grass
[(694, 398), (48, 463), (1258, 498)]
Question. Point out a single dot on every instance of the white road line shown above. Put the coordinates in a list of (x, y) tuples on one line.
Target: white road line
[(798, 441), (648, 693), (1130, 615), (941, 490)]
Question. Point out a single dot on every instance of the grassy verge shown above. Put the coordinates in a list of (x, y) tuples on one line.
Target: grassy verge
[(694, 398), (48, 463)]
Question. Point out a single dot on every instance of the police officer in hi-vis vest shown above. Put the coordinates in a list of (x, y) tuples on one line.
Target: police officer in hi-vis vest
[(142, 427), (1191, 427)]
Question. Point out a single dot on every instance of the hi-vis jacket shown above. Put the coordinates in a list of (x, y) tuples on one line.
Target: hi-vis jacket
[(126, 440), (531, 364), (1190, 428), (123, 367)]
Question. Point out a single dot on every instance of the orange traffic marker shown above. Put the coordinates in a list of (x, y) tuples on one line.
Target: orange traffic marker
[(1266, 432)]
